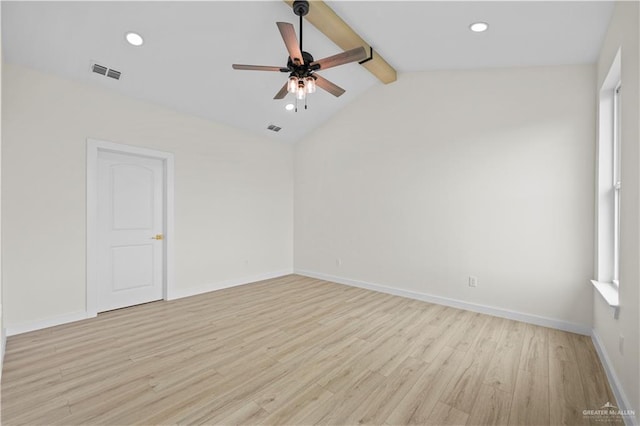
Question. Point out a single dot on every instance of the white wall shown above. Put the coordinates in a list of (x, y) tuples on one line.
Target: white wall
[(233, 193), (623, 32), (2, 326), (442, 175)]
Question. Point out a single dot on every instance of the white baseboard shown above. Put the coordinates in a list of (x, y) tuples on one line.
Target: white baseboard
[(12, 330), (206, 288), (3, 342), (483, 309), (26, 327), (616, 386)]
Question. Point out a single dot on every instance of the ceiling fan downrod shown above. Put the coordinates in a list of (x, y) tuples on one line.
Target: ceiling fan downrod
[(300, 8)]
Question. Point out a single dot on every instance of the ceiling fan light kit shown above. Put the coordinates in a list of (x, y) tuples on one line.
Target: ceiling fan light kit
[(301, 66)]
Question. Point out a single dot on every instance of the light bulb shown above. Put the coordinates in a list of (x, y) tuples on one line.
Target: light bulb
[(310, 84), (292, 85), (301, 93)]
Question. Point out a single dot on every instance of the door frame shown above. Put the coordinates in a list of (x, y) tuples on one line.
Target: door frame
[(94, 147)]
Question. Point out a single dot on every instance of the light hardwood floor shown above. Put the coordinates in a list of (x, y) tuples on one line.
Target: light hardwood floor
[(296, 350)]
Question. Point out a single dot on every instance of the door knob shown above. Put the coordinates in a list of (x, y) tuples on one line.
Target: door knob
[(158, 237)]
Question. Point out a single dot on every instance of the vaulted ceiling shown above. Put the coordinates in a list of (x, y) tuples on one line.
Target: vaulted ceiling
[(185, 62)]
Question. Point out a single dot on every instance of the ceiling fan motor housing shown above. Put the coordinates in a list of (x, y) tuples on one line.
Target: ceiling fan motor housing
[(301, 7), (302, 70)]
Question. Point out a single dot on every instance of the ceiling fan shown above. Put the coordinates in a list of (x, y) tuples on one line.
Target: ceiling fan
[(301, 66)]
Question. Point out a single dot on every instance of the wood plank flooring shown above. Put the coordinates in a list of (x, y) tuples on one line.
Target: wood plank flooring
[(300, 351)]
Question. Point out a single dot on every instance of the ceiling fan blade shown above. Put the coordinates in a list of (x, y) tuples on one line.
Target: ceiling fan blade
[(357, 54), (325, 84), (282, 93), (291, 41), (257, 68)]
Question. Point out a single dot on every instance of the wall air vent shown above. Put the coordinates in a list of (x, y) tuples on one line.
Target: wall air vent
[(274, 128), (107, 72)]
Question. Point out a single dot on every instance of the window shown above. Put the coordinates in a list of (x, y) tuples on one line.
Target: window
[(616, 184), (608, 190)]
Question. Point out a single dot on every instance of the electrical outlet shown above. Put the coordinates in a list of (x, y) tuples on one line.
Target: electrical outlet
[(473, 281), (621, 344), (338, 262)]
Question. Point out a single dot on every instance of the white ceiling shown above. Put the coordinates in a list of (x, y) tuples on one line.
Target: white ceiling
[(185, 63)]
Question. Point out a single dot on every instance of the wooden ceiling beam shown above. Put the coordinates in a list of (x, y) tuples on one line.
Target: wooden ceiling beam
[(331, 25)]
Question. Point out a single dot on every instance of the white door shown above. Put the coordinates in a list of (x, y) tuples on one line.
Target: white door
[(130, 227)]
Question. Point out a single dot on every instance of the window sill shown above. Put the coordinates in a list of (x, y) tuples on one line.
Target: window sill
[(609, 293)]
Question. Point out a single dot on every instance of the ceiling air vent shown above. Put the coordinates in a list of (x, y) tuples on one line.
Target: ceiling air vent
[(107, 72), (274, 128), (113, 74), (99, 69)]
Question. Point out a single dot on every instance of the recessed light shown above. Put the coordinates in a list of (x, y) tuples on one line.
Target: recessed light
[(134, 39), (479, 27), (289, 107)]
